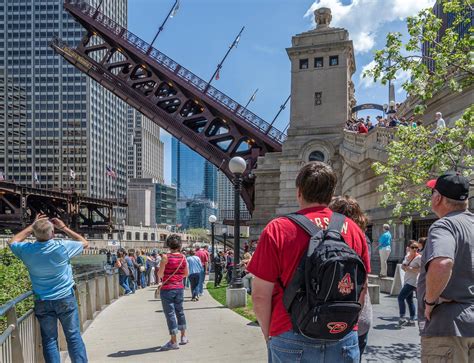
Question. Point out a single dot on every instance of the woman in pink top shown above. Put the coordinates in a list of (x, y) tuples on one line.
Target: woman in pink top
[(173, 269)]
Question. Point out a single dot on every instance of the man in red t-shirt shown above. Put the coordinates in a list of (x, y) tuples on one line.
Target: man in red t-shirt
[(203, 255), (279, 250)]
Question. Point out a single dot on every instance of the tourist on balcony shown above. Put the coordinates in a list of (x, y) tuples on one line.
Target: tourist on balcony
[(370, 126), (411, 265), (361, 128), (393, 121), (173, 269), (49, 264)]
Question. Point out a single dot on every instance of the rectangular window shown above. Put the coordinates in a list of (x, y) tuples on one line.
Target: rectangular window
[(304, 63), (319, 62), (334, 60)]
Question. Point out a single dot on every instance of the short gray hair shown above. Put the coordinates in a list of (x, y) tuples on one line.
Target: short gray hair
[(386, 227), (456, 204), (43, 229)]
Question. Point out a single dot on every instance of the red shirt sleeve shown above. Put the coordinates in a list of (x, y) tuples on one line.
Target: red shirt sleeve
[(265, 262), (365, 256)]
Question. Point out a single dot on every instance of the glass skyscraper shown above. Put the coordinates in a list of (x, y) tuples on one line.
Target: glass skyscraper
[(68, 121), (194, 177)]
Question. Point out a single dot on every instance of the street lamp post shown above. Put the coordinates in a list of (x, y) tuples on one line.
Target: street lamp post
[(237, 166), (212, 220), (224, 234)]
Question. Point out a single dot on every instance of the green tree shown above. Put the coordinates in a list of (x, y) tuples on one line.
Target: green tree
[(416, 155), (201, 234)]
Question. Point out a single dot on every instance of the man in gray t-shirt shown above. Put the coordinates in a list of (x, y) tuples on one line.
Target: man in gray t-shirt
[(446, 282)]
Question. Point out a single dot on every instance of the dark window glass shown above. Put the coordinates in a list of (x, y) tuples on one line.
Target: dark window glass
[(318, 98), (318, 62), (334, 60), (304, 63), (316, 156)]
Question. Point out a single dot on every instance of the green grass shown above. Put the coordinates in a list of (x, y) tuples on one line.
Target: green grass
[(218, 293)]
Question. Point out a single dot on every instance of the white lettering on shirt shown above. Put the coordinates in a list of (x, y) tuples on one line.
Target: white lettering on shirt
[(317, 221)]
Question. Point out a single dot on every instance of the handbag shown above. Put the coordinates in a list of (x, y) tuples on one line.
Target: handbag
[(160, 284), (142, 268)]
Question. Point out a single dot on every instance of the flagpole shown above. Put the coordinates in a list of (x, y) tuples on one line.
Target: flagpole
[(282, 107), (162, 26), (219, 66), (251, 99)]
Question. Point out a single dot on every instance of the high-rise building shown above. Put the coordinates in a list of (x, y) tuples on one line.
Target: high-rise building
[(141, 199), (165, 204), (70, 121), (193, 176), (145, 149), (225, 199)]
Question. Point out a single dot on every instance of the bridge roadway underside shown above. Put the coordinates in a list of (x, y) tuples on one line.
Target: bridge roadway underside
[(134, 327)]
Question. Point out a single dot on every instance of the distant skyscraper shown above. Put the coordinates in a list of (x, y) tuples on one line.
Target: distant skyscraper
[(194, 176), (70, 122), (145, 149), (225, 199)]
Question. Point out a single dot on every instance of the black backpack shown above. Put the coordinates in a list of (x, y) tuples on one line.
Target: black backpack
[(322, 296)]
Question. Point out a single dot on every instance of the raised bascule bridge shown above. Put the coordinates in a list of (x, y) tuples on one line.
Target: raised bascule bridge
[(196, 113)]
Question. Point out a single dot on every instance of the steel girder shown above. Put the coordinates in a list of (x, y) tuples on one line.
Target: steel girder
[(205, 119)]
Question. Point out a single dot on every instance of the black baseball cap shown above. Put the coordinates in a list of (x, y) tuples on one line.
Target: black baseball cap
[(451, 185)]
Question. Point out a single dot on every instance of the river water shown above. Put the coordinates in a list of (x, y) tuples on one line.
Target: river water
[(85, 263)]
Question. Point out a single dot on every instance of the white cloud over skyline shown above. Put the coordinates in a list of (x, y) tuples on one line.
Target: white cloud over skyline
[(364, 18)]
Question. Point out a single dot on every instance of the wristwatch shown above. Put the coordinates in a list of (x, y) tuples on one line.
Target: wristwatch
[(430, 304)]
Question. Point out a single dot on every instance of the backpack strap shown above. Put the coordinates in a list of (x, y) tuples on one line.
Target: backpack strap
[(304, 222), (336, 222)]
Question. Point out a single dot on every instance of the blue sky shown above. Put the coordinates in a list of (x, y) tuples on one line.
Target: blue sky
[(200, 33)]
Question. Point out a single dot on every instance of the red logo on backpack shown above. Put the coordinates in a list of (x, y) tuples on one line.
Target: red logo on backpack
[(336, 327), (345, 286)]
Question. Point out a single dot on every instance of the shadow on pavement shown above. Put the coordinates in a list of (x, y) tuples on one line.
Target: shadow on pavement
[(398, 352), (128, 353), (393, 326), (204, 308)]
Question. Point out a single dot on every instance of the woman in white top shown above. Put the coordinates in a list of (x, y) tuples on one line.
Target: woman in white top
[(411, 265)]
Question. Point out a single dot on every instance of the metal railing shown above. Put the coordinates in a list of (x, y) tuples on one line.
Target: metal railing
[(186, 75), (21, 340)]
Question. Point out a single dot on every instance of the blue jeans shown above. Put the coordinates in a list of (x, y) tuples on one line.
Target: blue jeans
[(194, 280), (123, 281), (406, 293), (172, 302), (202, 277), (132, 283), (48, 312), (292, 347)]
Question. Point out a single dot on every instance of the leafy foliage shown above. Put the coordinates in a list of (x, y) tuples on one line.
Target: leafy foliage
[(201, 234), (14, 281), (418, 154)]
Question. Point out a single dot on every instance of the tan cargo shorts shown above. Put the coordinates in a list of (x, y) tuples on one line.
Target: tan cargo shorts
[(447, 350)]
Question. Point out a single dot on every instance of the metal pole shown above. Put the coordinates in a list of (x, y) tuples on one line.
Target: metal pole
[(282, 107), (219, 66), (160, 29), (225, 239), (236, 282), (212, 247)]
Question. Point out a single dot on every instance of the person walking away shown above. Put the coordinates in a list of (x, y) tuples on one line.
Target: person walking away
[(246, 275), (385, 247), (132, 265), (173, 269), (229, 266), (280, 248), (351, 209), (49, 265), (203, 255), (446, 283), (141, 261), (156, 266), (219, 266), (411, 265), (124, 272), (195, 269)]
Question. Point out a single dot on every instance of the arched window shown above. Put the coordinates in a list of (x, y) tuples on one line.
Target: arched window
[(137, 236), (129, 236), (145, 236), (316, 156), (152, 237)]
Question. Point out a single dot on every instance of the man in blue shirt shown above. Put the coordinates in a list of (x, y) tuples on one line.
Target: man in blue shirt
[(48, 263), (385, 243)]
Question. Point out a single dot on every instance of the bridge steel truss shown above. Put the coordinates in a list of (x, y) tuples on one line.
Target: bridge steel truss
[(19, 205), (193, 111)]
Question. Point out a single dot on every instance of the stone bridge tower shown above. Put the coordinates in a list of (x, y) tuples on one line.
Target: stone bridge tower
[(322, 94)]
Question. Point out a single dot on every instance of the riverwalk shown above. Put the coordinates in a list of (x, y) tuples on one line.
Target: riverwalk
[(133, 328)]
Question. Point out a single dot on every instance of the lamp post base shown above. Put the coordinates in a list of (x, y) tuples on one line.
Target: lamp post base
[(212, 276), (236, 298)]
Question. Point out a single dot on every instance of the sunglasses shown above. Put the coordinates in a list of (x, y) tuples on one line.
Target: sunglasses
[(414, 248)]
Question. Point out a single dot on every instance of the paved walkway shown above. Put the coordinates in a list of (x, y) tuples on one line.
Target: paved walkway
[(133, 328)]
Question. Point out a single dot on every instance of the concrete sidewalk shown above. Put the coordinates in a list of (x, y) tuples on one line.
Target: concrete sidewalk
[(133, 328)]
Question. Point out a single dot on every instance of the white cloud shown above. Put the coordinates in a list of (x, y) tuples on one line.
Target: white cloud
[(400, 77), (364, 18), (367, 81)]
